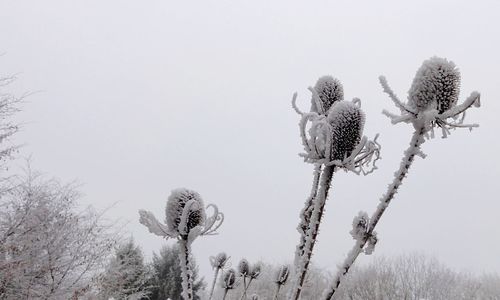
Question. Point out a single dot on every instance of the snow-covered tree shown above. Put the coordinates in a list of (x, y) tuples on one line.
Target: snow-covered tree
[(126, 276), (49, 248), (166, 281)]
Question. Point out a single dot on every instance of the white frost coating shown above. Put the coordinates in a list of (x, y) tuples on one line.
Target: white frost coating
[(359, 226), (179, 219), (432, 100), (147, 219), (217, 262), (186, 269)]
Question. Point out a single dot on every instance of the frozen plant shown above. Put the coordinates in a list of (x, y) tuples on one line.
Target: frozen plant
[(185, 220), (228, 281), (254, 297), (432, 102), (281, 278), (254, 273), (218, 262), (332, 136)]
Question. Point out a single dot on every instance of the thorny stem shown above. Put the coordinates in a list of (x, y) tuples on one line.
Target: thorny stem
[(186, 272), (275, 297), (312, 231), (213, 284), (225, 294), (305, 214), (409, 155)]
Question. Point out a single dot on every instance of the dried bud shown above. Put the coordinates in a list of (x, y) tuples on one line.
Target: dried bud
[(229, 279), (244, 267), (255, 272), (175, 209), (282, 275), (435, 86), (347, 121), (329, 91), (219, 261), (359, 225)]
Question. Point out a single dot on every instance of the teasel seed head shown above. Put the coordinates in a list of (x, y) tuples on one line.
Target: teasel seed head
[(436, 86), (282, 275), (219, 261), (329, 91), (255, 271), (175, 208), (244, 267), (347, 121), (229, 279)]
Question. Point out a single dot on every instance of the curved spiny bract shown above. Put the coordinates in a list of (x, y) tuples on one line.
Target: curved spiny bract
[(346, 121), (328, 91), (436, 86)]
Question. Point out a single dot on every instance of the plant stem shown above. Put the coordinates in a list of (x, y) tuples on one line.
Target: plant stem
[(186, 272), (409, 155), (305, 215), (244, 296), (312, 231), (225, 294), (277, 292), (213, 284)]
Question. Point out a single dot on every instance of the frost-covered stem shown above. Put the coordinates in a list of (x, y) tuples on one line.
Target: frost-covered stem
[(245, 288), (409, 155), (305, 214), (213, 283), (186, 271), (225, 294), (275, 297), (312, 231)]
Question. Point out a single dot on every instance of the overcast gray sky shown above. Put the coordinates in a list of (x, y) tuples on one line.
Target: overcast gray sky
[(140, 97)]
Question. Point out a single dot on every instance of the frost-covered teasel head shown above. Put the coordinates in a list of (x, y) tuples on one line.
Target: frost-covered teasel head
[(336, 138), (327, 91), (229, 279), (185, 210), (282, 275), (436, 86), (219, 261), (255, 271), (185, 217), (433, 99), (244, 267)]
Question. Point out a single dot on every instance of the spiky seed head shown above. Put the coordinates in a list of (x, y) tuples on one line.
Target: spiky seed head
[(329, 90), (347, 121), (175, 207), (282, 274), (244, 267), (220, 260), (436, 85), (229, 279), (255, 271)]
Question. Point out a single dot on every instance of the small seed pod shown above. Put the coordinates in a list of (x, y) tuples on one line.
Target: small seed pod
[(219, 261), (329, 91), (244, 267), (175, 209), (436, 86), (229, 279), (347, 121), (282, 275), (359, 226), (255, 272), (372, 241)]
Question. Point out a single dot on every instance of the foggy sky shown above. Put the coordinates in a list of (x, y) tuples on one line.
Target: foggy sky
[(136, 98)]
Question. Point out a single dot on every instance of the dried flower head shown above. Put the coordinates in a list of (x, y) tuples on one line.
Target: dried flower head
[(436, 86), (282, 275), (229, 279), (432, 99), (184, 206), (346, 121), (219, 261), (328, 91), (255, 271), (244, 267)]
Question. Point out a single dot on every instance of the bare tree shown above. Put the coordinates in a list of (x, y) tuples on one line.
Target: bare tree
[(49, 249)]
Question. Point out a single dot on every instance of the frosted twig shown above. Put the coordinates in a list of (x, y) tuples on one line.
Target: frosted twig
[(394, 98), (186, 269)]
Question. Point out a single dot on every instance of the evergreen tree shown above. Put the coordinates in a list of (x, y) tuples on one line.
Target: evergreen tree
[(126, 276), (166, 280)]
